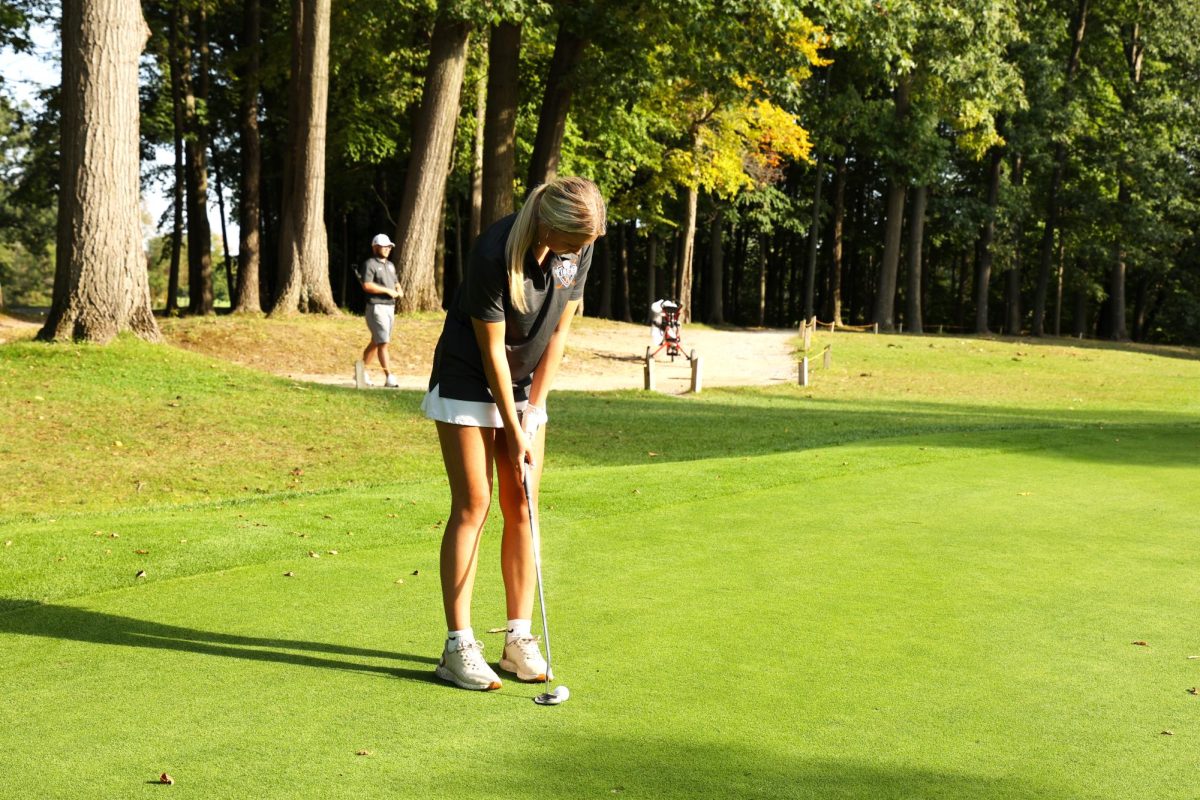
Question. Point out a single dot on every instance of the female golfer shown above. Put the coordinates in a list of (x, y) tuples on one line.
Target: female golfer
[(500, 348)]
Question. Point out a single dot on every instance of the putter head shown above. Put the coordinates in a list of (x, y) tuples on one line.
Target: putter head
[(558, 696)]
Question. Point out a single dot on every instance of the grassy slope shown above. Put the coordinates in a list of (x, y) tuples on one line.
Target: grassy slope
[(881, 586)]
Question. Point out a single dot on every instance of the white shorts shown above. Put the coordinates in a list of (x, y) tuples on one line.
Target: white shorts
[(463, 412)]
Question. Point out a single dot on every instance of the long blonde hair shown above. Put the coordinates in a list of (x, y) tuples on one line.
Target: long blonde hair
[(566, 205)]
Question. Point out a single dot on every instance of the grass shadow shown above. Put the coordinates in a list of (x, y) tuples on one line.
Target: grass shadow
[(625, 428), (653, 767), (32, 618)]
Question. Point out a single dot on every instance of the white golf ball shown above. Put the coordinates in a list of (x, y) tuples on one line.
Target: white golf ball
[(562, 692)]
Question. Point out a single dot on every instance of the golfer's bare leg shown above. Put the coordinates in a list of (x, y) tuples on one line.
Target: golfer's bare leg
[(384, 361), (516, 549), (367, 352), (467, 453)]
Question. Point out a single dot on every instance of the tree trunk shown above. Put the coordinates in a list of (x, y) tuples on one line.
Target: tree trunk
[(916, 240), (1079, 24), (100, 280), (500, 122), (249, 209), (1013, 326), (810, 269), (303, 244), (834, 306), (568, 50), (983, 274), (474, 226), (651, 269), (761, 317), (688, 244), (224, 231), (716, 279), (196, 153), (1134, 50), (625, 238), (425, 184), (605, 248), (889, 267), (176, 67)]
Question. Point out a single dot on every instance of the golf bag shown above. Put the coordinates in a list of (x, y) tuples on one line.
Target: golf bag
[(664, 320)]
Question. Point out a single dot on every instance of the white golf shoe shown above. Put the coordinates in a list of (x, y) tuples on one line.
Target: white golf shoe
[(465, 667), (391, 382), (523, 657)]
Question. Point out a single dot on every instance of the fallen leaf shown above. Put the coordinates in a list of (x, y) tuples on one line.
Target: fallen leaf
[(400, 580), (333, 552), (167, 779), (651, 454), (416, 572), (637, 491), (1168, 733), (313, 554), (363, 753), (142, 552), (1024, 494), (140, 574), (288, 574), (391, 516), (1191, 658), (1140, 643), (8, 543), (183, 541), (328, 516), (297, 472), (114, 536), (1194, 690), (497, 630)]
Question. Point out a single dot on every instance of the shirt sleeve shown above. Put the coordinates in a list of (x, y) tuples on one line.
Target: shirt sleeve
[(585, 265), (486, 288), (368, 272)]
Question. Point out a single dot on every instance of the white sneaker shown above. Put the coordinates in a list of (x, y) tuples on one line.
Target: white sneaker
[(466, 668), (523, 658), (391, 382), (367, 378)]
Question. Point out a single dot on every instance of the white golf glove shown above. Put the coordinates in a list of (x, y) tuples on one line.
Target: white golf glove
[(533, 418)]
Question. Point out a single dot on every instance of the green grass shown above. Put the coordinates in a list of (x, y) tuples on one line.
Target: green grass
[(923, 582)]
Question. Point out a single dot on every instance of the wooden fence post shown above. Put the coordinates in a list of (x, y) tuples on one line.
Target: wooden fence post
[(648, 373), (875, 328), (360, 375), (696, 374), (828, 356), (804, 371)]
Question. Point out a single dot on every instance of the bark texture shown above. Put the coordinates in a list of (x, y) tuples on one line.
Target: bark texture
[(500, 123), (303, 244), (100, 280), (916, 239), (417, 231), (687, 250), (248, 299), (556, 102)]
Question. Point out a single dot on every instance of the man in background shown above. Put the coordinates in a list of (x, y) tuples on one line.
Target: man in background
[(380, 284)]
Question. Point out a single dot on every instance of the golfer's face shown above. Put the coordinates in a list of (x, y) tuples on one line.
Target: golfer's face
[(566, 245)]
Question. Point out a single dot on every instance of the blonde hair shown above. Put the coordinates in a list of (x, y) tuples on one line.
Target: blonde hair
[(566, 205)]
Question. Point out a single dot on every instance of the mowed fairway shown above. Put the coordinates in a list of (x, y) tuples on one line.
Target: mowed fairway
[(923, 576)]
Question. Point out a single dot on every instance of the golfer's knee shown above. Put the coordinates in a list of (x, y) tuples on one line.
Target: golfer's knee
[(472, 510)]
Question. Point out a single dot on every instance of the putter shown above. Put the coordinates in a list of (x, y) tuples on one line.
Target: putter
[(561, 693)]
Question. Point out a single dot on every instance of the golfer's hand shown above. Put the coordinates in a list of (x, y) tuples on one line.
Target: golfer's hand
[(533, 418), (519, 450)]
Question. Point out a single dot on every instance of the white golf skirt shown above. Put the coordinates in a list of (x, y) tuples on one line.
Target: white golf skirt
[(463, 412)]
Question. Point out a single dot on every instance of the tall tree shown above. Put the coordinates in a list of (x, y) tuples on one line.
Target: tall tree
[(249, 209), (500, 122), (1046, 257), (425, 187), (303, 245), (195, 91), (100, 282), (556, 101)]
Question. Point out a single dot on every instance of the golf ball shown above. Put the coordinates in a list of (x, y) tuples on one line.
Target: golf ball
[(562, 692)]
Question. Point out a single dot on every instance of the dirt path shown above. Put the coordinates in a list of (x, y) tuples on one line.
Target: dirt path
[(16, 328), (604, 356)]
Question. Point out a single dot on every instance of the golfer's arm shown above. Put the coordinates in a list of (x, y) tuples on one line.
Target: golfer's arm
[(374, 288), (543, 376), (490, 336)]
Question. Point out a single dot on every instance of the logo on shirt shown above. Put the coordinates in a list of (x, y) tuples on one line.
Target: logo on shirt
[(564, 273)]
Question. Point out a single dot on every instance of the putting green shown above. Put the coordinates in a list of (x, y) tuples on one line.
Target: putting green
[(949, 615)]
